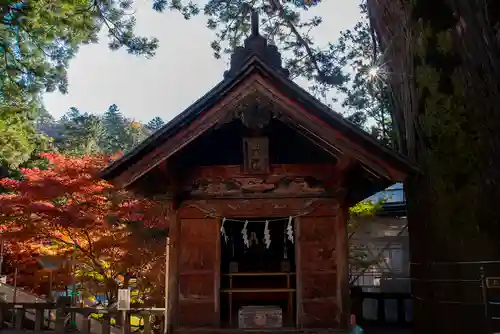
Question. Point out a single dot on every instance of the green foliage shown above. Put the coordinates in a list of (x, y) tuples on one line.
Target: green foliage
[(155, 124), (363, 209), (367, 94), (366, 208), (39, 38), (359, 256), (79, 133), (82, 133), (19, 140), (115, 132)]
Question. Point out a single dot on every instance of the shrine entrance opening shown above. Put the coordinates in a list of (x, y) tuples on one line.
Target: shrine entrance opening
[(258, 273)]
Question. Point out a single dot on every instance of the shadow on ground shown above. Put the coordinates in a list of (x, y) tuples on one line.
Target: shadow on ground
[(387, 331)]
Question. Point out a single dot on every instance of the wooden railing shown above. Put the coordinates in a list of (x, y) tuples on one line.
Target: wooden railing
[(32, 316), (401, 318)]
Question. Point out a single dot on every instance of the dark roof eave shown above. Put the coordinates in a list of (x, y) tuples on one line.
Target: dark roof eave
[(336, 120), (174, 125), (253, 63)]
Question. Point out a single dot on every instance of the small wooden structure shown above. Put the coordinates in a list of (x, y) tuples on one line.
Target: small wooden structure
[(258, 177)]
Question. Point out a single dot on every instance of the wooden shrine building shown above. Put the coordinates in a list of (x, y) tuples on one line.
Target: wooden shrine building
[(259, 176)]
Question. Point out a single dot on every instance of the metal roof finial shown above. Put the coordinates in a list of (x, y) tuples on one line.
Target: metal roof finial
[(255, 22)]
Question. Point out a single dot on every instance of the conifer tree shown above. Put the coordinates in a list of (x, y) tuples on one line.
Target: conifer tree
[(155, 124)]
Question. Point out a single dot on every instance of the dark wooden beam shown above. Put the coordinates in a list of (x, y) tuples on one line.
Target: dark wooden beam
[(345, 162)]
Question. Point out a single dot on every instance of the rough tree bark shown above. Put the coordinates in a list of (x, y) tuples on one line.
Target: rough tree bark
[(444, 65)]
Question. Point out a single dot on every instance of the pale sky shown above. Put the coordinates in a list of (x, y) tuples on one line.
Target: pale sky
[(182, 70)]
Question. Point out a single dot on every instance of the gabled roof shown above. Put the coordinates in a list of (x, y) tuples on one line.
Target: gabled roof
[(257, 67)]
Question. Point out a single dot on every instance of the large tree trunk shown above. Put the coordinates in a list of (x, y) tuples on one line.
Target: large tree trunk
[(444, 61)]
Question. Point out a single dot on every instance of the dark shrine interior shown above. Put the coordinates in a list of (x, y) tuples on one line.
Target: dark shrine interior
[(224, 146), (257, 258), (256, 275)]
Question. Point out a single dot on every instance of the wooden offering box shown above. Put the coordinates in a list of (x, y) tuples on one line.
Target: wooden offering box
[(260, 317)]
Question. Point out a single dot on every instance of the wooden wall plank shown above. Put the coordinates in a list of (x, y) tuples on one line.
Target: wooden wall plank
[(318, 268), (198, 263)]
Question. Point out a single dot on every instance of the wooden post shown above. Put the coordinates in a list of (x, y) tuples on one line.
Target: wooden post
[(2, 312), (39, 313), (167, 264), (485, 298), (125, 322), (217, 273), (173, 236), (60, 317), (15, 286), (86, 323), (381, 310), (147, 323), (298, 274), (19, 318), (342, 249), (105, 323)]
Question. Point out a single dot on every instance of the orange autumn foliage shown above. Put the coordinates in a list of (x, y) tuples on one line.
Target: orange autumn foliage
[(50, 211)]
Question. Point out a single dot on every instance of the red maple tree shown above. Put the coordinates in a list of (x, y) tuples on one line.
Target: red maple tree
[(67, 213)]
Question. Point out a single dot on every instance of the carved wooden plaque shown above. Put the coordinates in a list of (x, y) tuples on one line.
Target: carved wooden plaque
[(256, 154)]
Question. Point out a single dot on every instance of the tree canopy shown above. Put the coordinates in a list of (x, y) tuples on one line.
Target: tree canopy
[(66, 211)]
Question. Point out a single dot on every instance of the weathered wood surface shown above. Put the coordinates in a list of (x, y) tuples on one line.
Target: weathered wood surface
[(317, 268), (255, 208), (282, 180), (321, 289), (198, 267)]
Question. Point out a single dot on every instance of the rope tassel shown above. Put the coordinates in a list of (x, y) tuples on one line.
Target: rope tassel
[(223, 230), (289, 230), (244, 233), (267, 235)]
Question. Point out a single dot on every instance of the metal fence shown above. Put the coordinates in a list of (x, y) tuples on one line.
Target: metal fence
[(476, 285), (472, 285)]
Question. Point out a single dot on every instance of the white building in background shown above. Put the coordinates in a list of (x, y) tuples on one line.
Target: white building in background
[(384, 239)]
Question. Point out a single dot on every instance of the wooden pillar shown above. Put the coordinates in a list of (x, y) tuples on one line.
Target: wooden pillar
[(217, 274), (197, 270), (318, 277), (39, 319), (298, 274), (342, 251), (173, 280)]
